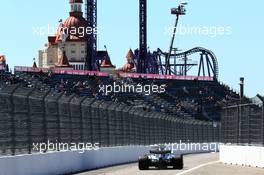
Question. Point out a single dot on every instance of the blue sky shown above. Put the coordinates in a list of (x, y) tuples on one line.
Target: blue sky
[(239, 52)]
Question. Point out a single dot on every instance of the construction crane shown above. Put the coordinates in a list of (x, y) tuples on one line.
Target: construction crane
[(179, 11)]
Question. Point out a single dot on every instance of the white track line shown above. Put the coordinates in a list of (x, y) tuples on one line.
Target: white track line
[(197, 167)]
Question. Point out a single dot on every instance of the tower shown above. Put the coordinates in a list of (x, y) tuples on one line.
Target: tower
[(76, 7), (142, 36), (91, 62)]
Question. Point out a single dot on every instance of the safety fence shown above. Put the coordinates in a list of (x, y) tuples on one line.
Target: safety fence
[(29, 116), (243, 124)]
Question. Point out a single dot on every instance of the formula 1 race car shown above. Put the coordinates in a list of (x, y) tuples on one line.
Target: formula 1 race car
[(161, 159)]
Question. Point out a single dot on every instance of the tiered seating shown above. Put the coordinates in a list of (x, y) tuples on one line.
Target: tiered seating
[(183, 98)]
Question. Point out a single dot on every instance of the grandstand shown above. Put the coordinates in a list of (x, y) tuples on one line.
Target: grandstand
[(185, 97), (66, 107)]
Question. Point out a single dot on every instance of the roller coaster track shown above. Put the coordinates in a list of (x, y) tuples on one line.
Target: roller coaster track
[(193, 51)]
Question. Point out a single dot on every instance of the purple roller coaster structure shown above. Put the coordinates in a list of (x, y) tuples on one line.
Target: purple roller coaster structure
[(157, 62)]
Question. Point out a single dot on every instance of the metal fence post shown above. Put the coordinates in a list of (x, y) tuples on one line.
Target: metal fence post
[(249, 125), (218, 132), (29, 134), (238, 125), (58, 120), (223, 127), (13, 131)]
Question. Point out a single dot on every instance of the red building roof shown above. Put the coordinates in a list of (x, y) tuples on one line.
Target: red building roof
[(2, 59), (74, 27), (35, 65), (63, 62), (106, 63), (130, 55)]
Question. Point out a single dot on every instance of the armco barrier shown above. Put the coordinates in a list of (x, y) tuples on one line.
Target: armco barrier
[(242, 155), (73, 161)]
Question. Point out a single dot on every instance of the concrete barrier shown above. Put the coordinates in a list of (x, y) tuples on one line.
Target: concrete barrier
[(56, 163), (242, 155)]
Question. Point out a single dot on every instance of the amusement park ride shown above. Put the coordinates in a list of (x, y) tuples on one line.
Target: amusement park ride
[(158, 62)]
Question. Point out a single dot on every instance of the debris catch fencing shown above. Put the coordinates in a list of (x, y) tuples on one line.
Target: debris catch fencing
[(29, 116), (243, 124)]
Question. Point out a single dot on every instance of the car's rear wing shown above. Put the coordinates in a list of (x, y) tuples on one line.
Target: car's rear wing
[(160, 152)]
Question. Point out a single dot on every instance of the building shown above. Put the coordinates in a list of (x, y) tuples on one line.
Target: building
[(2, 60), (106, 64), (70, 40), (130, 65)]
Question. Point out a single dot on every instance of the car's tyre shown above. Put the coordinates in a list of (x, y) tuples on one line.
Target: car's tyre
[(177, 163), (143, 163)]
